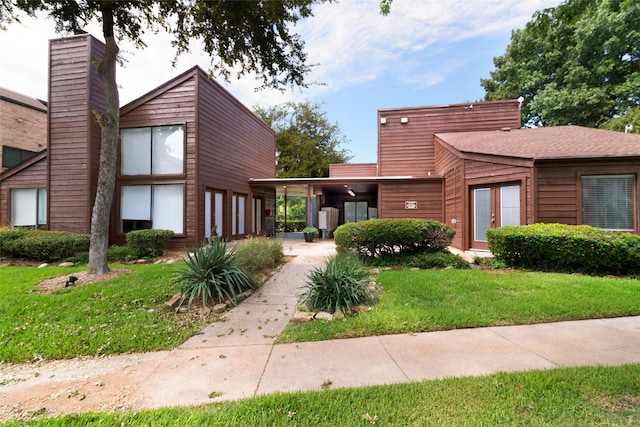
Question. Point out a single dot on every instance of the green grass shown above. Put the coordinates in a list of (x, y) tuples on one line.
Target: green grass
[(430, 300), (561, 397), (121, 315)]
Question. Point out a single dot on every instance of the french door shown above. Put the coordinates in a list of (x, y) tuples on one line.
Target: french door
[(493, 206)]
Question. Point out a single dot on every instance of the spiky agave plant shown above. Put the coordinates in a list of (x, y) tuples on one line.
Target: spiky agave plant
[(339, 286), (211, 273)]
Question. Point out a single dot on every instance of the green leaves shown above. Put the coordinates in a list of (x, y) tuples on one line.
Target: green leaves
[(574, 64), (211, 273), (307, 143), (340, 286)]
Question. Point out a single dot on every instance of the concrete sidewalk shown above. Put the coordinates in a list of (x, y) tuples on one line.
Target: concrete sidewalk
[(237, 358)]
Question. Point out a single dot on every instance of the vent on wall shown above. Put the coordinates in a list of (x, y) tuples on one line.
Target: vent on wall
[(404, 120)]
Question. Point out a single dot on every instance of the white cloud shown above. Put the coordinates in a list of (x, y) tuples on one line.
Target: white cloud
[(350, 41)]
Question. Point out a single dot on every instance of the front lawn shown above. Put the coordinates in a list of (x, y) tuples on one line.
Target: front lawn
[(121, 315), (589, 396), (431, 300)]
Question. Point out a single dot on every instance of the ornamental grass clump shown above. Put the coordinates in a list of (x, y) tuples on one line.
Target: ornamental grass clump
[(211, 273), (340, 286), (257, 256)]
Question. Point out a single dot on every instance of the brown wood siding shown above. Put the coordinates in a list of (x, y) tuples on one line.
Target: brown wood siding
[(427, 194), (558, 186), (226, 144), (353, 170), (74, 137), (409, 149), (233, 146), (451, 167), (33, 176), (174, 106)]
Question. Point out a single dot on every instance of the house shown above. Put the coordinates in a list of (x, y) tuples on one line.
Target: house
[(186, 153), (23, 121), (471, 166)]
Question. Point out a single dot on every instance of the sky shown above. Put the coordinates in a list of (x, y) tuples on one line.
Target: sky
[(426, 52)]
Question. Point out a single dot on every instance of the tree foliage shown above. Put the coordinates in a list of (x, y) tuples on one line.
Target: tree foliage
[(578, 63), (629, 122), (249, 37), (305, 139)]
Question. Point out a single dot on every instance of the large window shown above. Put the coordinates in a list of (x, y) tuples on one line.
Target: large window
[(152, 151), (29, 207), (608, 201), (157, 207)]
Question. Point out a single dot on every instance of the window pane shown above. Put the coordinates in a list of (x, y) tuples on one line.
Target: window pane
[(510, 205), (241, 212), (136, 151), (349, 211), (24, 207), (234, 219), (362, 211), (207, 214), (481, 213), (607, 201), (135, 203), (42, 206), (168, 211), (219, 213), (167, 149)]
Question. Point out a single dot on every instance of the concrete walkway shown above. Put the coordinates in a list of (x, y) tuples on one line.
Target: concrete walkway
[(237, 358)]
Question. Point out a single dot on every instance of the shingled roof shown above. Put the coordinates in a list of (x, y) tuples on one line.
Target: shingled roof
[(20, 99), (559, 142)]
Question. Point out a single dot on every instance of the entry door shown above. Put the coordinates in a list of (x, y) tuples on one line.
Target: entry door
[(355, 211), (493, 206)]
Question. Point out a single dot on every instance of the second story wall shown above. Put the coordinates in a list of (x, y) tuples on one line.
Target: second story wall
[(23, 127), (406, 141)]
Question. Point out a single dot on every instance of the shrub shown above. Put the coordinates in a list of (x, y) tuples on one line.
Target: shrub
[(257, 255), (148, 243), (310, 230), (561, 247), (376, 237), (425, 260), (211, 273), (120, 253), (39, 245), (340, 286)]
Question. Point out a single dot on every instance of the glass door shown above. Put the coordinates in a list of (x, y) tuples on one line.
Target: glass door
[(493, 206)]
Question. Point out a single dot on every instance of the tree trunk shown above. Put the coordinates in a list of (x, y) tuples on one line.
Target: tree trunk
[(110, 126)]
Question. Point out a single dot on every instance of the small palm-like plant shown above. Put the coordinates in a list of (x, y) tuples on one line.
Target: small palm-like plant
[(211, 273), (340, 286)]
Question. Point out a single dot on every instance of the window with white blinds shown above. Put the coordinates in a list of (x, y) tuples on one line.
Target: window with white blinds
[(608, 201), (152, 206), (28, 207), (152, 150)]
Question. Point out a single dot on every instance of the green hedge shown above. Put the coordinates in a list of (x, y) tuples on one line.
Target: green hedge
[(393, 236), (561, 247), (148, 243), (39, 245), (293, 225)]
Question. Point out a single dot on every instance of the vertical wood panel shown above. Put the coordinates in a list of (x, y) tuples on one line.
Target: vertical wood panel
[(74, 137)]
